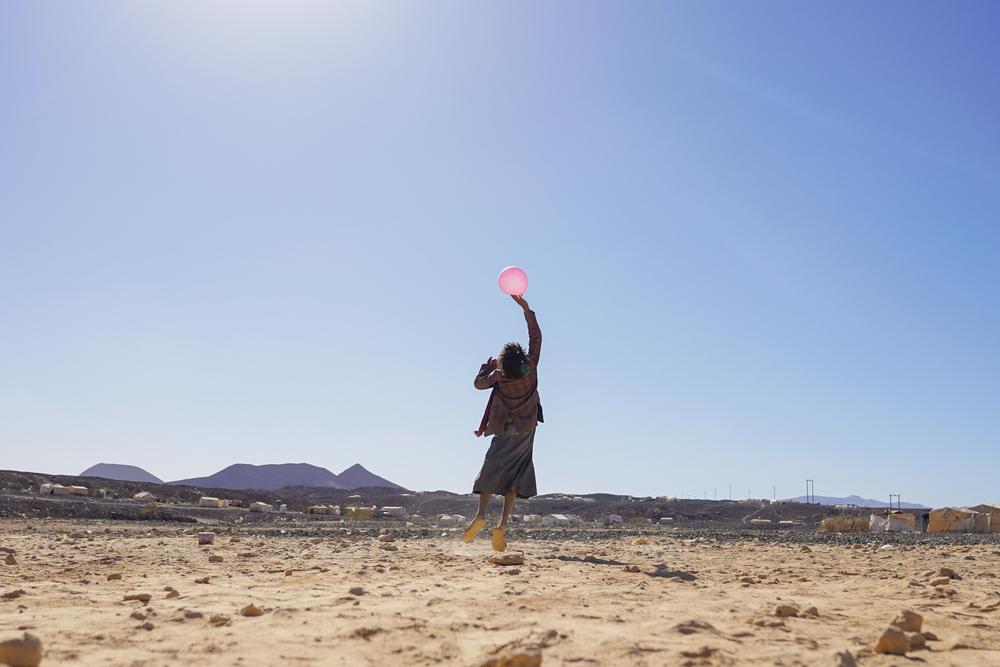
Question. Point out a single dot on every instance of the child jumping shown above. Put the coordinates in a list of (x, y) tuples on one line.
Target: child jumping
[(512, 414)]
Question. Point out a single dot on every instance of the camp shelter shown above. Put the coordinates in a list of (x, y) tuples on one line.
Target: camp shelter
[(991, 511), (844, 523), (892, 522), (951, 520)]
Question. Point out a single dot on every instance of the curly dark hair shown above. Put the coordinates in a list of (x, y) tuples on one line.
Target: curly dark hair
[(513, 361)]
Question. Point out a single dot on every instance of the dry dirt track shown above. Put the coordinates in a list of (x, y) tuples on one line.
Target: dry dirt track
[(358, 601)]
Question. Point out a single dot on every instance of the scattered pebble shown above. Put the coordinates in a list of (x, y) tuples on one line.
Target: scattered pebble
[(251, 610), (141, 597), (115, 576), (786, 611)]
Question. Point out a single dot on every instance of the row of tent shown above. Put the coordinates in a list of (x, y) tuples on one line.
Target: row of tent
[(978, 519)]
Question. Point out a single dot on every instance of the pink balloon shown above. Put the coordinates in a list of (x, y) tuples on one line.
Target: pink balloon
[(513, 280)]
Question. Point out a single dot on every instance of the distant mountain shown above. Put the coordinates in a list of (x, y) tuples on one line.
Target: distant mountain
[(856, 500), (357, 477), (268, 477), (123, 473)]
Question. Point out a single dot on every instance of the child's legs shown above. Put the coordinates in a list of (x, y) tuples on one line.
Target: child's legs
[(508, 505), (484, 502)]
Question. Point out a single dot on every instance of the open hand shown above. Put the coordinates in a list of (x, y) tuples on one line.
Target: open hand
[(519, 300)]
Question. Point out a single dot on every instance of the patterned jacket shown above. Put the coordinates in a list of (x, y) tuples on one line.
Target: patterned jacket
[(514, 401)]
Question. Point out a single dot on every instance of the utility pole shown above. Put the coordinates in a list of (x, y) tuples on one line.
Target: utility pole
[(774, 493), (730, 491)]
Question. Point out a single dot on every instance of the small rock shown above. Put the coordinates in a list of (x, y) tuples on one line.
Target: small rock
[(138, 615), (785, 611), (365, 633), (929, 636), (13, 595), (191, 613), (512, 571), (909, 621), (631, 568), (215, 558), (10, 560), (203, 580), (386, 538), (388, 547), (694, 626), (147, 626), (172, 594), (805, 549), (748, 580), (812, 612), (948, 572), (639, 540), (843, 659), (219, 620), (703, 652), (77, 536), (114, 576), (357, 590), (251, 610), (23, 652), (940, 581), (141, 597), (507, 559), (917, 640), (893, 641)]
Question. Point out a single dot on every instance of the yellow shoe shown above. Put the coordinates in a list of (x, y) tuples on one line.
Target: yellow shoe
[(473, 530), (499, 539)]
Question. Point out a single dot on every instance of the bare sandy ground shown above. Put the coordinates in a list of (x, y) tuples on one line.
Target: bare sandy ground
[(360, 601)]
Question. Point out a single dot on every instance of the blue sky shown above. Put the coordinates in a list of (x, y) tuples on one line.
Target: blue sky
[(762, 239)]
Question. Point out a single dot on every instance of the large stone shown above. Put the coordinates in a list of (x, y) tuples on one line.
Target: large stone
[(893, 641), (507, 559), (23, 652), (515, 660), (909, 621), (141, 597)]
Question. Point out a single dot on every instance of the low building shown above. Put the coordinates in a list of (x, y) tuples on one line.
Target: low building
[(69, 490), (666, 519), (359, 513), (560, 520), (760, 523), (395, 512), (209, 501), (261, 507), (144, 496)]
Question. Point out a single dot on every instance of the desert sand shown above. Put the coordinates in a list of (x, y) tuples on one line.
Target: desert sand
[(342, 599)]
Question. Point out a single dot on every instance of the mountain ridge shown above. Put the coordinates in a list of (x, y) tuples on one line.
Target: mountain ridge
[(121, 472), (856, 500)]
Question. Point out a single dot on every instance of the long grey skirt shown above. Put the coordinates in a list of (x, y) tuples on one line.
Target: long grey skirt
[(508, 466)]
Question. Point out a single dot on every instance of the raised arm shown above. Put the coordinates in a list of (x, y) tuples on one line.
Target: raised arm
[(534, 333), (486, 378)]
